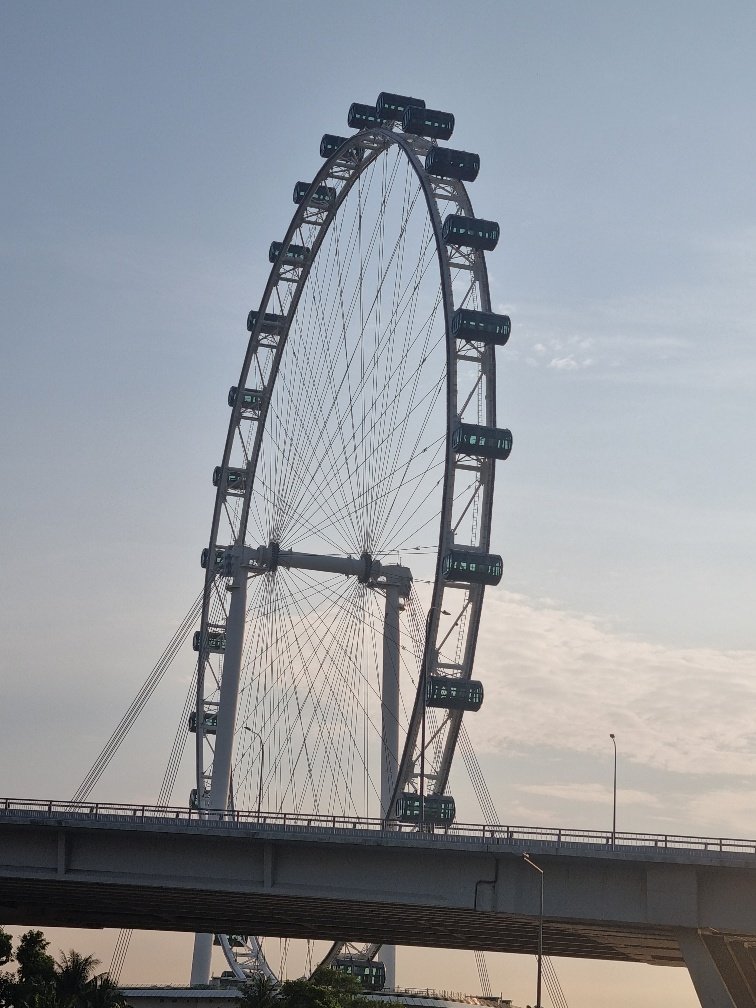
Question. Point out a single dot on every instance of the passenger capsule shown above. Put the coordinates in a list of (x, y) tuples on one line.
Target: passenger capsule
[(370, 972), (216, 639), (390, 107), (331, 143), (194, 802), (209, 722), (449, 693), (471, 567), (455, 164), (482, 442), (470, 232), (362, 116), (294, 255), (436, 810), (481, 327), (236, 479), (217, 559), (252, 400), (428, 122), (271, 324), (324, 196)]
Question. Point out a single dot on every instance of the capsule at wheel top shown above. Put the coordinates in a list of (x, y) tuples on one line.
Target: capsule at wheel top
[(470, 232), (362, 116), (428, 122), (390, 107), (330, 143), (455, 164)]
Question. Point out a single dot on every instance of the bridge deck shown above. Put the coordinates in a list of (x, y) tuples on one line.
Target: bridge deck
[(140, 867)]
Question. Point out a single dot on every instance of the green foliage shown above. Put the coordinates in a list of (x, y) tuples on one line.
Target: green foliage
[(40, 982), (6, 947), (35, 967), (73, 975), (326, 988), (260, 992)]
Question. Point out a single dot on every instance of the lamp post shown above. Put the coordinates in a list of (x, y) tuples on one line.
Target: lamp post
[(614, 791), (526, 858), (262, 763)]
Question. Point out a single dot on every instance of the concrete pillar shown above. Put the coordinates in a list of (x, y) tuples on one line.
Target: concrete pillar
[(710, 986)]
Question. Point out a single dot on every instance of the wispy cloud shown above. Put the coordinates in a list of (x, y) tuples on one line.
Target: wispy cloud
[(562, 679), (697, 329), (592, 794)]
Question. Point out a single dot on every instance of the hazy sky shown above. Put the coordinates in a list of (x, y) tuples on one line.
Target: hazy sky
[(148, 156)]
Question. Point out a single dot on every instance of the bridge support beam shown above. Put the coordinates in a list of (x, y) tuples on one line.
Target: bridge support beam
[(723, 969)]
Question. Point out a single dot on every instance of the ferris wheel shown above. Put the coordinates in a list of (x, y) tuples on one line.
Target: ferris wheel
[(350, 541)]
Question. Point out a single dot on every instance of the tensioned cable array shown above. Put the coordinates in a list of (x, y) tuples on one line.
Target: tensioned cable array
[(138, 703)]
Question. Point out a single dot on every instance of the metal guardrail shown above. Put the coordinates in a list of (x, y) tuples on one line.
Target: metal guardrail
[(555, 838)]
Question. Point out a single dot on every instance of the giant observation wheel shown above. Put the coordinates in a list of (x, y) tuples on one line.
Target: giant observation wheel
[(350, 542)]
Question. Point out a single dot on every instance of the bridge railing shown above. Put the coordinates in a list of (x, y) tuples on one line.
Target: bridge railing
[(554, 838)]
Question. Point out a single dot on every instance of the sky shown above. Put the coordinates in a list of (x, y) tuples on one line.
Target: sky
[(148, 155)]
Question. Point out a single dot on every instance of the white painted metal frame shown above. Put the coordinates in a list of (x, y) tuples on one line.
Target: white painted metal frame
[(467, 491)]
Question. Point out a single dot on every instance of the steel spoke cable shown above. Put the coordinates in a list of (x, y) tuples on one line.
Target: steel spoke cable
[(338, 643), (349, 362), (138, 703), (350, 656), (305, 672)]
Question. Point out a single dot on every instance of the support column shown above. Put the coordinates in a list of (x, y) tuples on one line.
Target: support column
[(220, 783), (707, 979), (390, 730), (390, 698)]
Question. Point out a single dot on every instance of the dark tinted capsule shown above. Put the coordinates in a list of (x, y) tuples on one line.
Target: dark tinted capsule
[(456, 164), (470, 232), (323, 196), (390, 107), (449, 693), (362, 116), (271, 323), (428, 122), (294, 253), (331, 143), (471, 567), (482, 442), (481, 327)]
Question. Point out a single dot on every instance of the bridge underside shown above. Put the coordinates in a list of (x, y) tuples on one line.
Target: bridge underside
[(78, 904), (659, 906)]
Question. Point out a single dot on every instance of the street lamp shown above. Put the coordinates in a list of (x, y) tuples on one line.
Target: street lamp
[(614, 790), (526, 858), (262, 763)]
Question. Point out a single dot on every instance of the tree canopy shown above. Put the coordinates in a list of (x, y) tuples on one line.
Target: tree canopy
[(326, 988), (41, 982)]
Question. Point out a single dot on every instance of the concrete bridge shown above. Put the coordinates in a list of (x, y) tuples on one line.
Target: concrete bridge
[(671, 901)]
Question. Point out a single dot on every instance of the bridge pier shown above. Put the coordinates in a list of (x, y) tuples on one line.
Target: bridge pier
[(722, 968)]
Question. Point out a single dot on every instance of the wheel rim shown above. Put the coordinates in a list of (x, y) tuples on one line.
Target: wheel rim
[(350, 452)]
